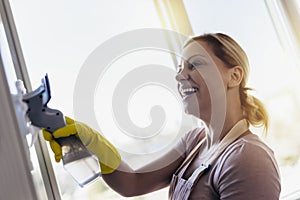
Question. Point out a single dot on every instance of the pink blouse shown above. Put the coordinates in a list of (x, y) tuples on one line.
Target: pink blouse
[(247, 169)]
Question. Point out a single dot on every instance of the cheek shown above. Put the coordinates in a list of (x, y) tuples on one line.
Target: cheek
[(224, 74), (204, 96), (213, 82), (205, 104), (202, 84)]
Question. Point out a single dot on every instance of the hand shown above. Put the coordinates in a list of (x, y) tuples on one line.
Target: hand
[(107, 154)]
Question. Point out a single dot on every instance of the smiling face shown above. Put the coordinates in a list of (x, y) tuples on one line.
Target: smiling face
[(202, 80)]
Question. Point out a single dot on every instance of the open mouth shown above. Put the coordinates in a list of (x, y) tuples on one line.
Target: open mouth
[(188, 91)]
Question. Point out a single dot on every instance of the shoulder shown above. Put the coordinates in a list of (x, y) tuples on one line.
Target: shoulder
[(189, 140), (192, 138), (249, 166), (250, 150)]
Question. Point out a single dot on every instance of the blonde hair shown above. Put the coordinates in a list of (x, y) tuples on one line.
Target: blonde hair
[(232, 54)]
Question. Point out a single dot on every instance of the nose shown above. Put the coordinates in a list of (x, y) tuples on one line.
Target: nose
[(182, 74)]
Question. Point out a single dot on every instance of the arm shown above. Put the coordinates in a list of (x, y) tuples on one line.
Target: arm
[(154, 176), (157, 174), (118, 175), (249, 172)]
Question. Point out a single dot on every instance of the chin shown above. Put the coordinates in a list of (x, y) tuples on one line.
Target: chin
[(192, 110), (191, 106)]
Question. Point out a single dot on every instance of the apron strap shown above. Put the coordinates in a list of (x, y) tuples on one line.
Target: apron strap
[(191, 155), (239, 129)]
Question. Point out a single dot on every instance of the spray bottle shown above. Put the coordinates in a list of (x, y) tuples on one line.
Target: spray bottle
[(82, 164)]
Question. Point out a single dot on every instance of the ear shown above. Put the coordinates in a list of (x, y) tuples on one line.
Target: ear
[(236, 76)]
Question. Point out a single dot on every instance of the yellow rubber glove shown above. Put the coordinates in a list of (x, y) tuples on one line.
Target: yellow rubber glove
[(107, 154)]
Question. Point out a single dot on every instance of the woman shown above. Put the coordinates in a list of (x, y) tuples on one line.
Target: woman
[(224, 160)]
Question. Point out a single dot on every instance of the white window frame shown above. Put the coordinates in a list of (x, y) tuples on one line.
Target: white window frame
[(285, 15), (21, 184)]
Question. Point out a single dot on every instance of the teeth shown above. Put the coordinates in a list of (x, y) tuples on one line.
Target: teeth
[(189, 90)]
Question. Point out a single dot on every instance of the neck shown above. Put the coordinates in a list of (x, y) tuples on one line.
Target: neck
[(229, 123), (233, 115)]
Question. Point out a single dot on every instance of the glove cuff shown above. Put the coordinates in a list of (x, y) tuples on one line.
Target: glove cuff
[(107, 154)]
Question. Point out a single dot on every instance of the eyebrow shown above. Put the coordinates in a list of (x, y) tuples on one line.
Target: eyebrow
[(195, 56), (189, 59)]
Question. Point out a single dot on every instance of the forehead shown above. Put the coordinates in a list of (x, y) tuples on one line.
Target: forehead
[(195, 49)]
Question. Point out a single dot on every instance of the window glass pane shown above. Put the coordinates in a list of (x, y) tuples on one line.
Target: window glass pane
[(273, 73), (12, 78), (7, 60), (57, 37)]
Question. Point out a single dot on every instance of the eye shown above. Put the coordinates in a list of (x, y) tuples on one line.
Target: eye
[(195, 64)]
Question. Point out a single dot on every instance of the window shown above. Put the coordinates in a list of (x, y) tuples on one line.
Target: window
[(60, 38), (28, 154)]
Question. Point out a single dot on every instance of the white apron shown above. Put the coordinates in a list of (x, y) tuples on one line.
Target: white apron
[(180, 189)]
